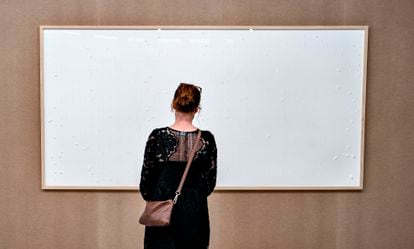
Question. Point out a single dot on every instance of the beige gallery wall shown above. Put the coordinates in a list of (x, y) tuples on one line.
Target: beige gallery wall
[(379, 217)]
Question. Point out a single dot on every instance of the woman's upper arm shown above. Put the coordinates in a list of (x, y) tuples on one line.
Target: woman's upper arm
[(211, 174), (148, 166)]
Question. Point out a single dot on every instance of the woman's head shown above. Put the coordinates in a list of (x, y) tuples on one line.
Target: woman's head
[(187, 98)]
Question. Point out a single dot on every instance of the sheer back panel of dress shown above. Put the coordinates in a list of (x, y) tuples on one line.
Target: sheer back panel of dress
[(184, 143)]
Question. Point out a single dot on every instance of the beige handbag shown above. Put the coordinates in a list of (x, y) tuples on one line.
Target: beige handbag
[(158, 213)]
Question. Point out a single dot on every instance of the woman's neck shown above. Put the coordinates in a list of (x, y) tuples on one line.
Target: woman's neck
[(183, 122)]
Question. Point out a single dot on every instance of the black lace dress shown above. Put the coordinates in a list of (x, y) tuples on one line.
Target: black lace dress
[(165, 158)]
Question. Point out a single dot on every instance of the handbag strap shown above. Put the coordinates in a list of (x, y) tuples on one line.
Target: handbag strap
[(187, 167)]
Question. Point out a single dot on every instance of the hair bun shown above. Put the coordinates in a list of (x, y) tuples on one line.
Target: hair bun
[(186, 98)]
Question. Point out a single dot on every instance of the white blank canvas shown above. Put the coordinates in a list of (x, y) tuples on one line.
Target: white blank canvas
[(286, 106)]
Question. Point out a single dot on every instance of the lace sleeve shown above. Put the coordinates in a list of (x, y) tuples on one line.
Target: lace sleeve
[(148, 167), (209, 176)]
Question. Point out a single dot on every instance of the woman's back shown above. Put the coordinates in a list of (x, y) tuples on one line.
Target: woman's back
[(165, 159)]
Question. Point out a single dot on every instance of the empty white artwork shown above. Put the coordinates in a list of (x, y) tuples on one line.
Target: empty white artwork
[(286, 106)]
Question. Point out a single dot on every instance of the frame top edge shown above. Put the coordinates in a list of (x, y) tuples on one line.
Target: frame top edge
[(212, 27)]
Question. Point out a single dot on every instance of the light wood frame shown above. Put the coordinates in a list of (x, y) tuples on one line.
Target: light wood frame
[(243, 27)]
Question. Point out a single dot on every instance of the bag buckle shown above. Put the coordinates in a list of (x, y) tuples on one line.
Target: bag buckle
[(176, 197)]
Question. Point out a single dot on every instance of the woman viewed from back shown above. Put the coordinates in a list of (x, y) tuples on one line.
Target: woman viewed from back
[(165, 158)]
